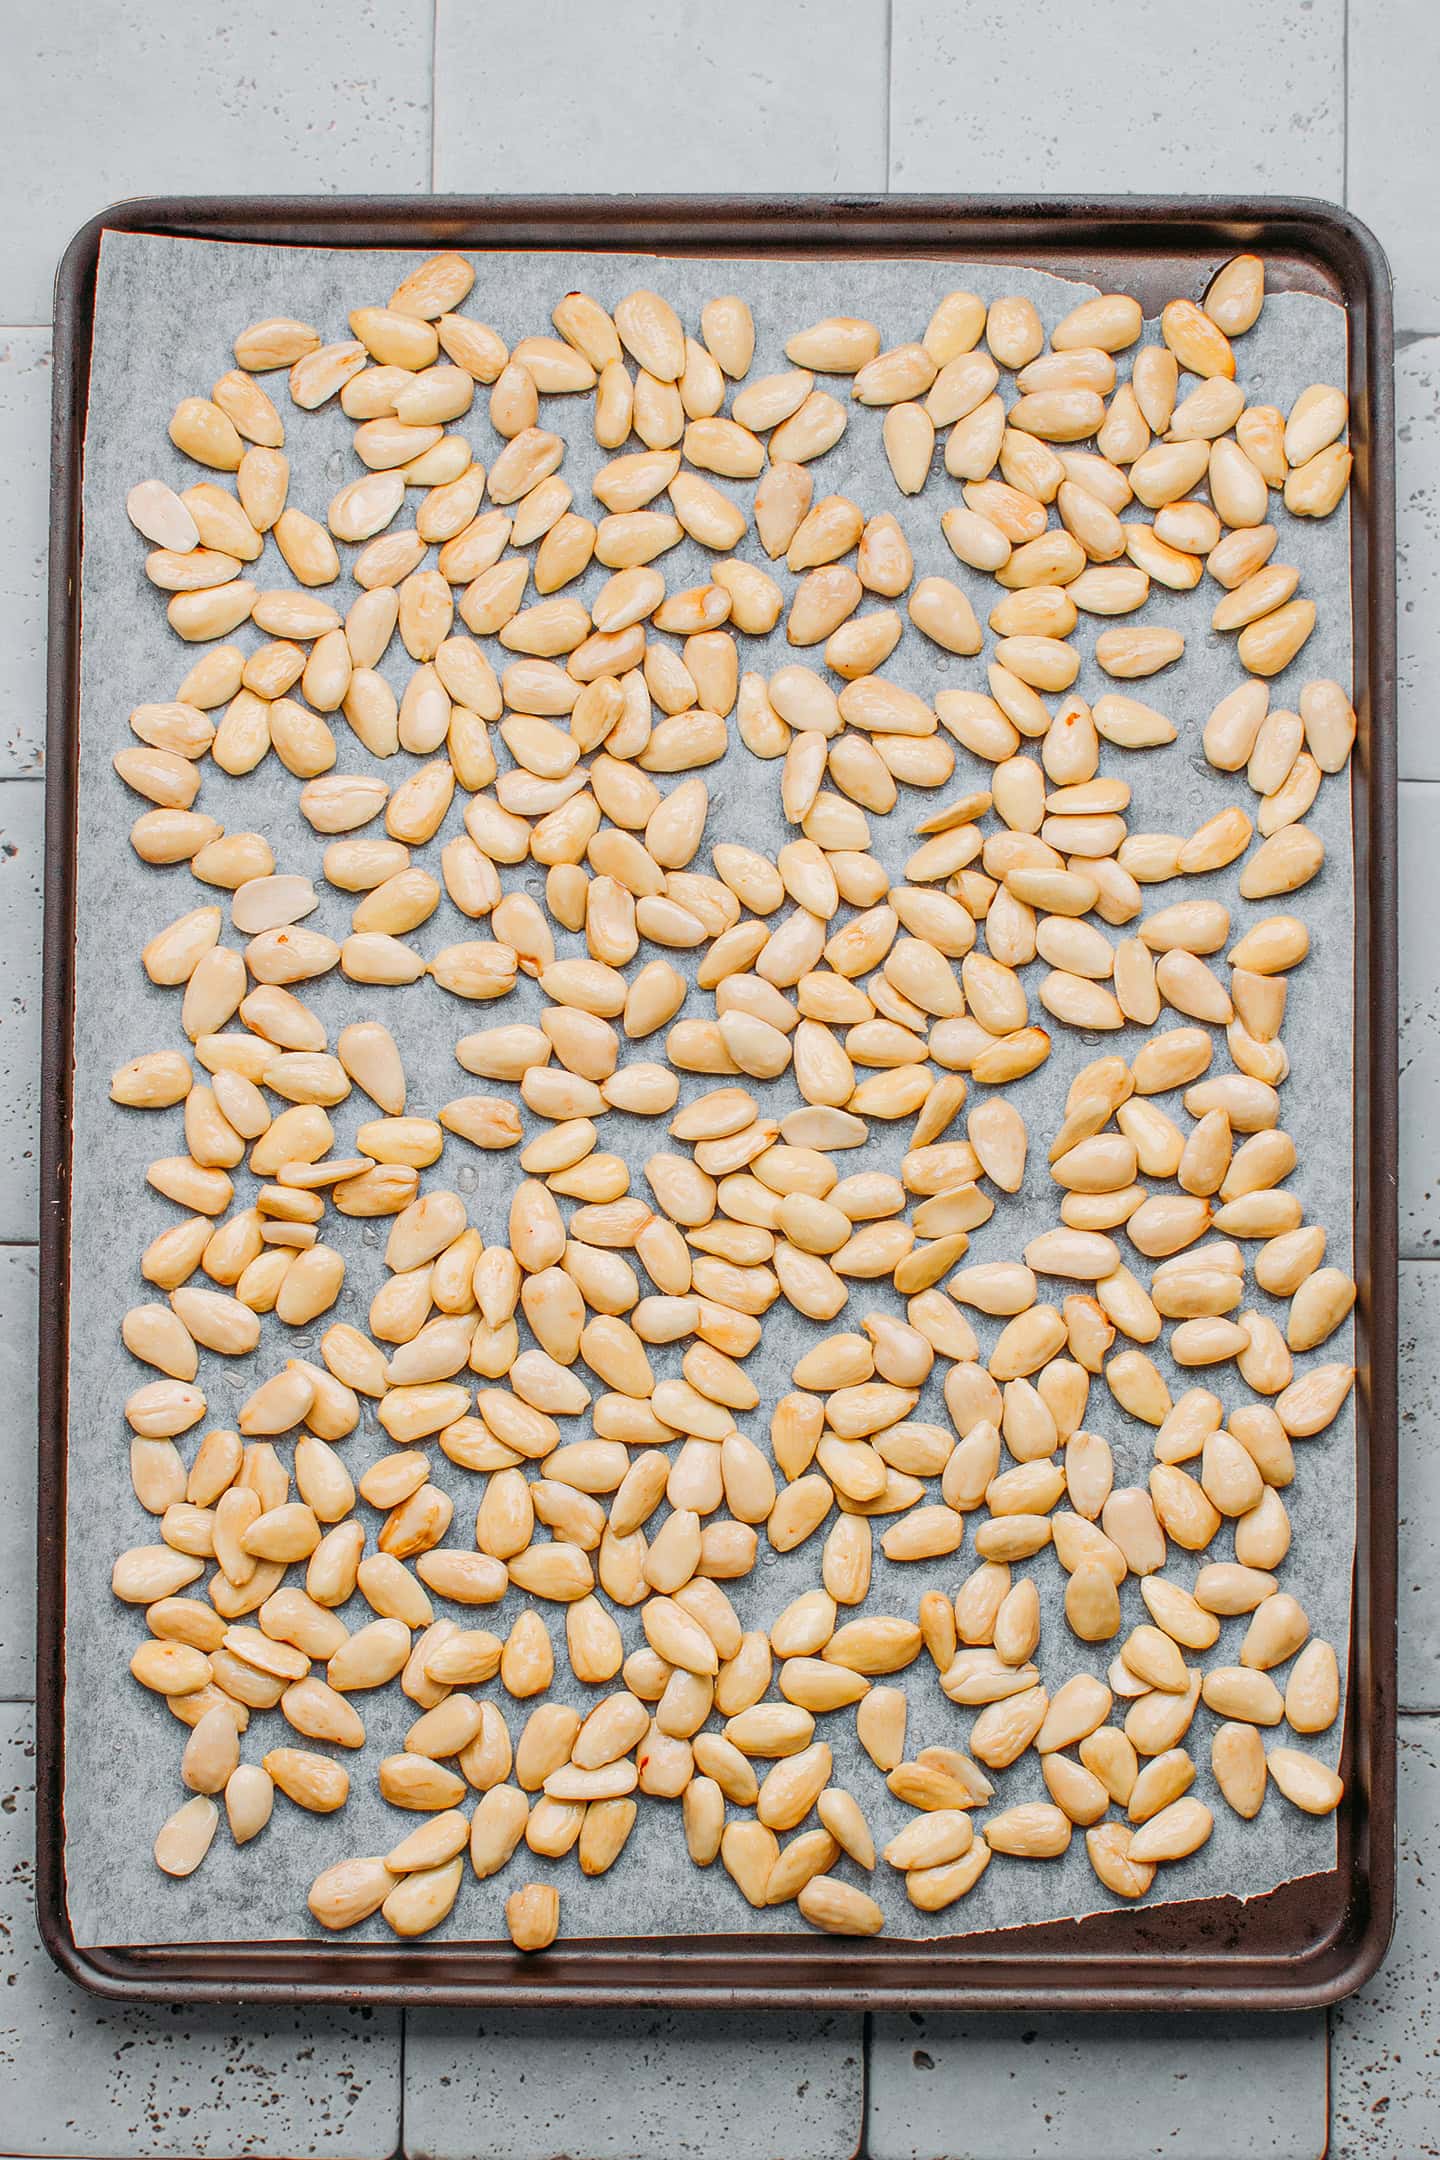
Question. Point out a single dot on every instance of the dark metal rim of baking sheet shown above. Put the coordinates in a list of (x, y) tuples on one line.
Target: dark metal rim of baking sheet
[(1307, 1943)]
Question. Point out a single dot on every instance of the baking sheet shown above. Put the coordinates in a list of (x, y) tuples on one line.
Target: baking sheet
[(166, 311)]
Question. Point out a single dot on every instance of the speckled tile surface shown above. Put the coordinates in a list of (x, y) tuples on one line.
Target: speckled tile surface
[(19, 1297), (638, 2085), (1014, 2088), (1037, 95), (1393, 149), (206, 99), (337, 96), (1385, 2043), (1417, 553), (640, 95), (80, 2077), (24, 536), (22, 829)]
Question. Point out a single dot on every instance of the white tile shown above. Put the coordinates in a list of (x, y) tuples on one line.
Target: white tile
[(1419, 1484), (1385, 2042), (24, 537), (22, 828), (637, 95), (1035, 95), (80, 2077), (1097, 2088), (114, 98), (19, 1297), (1417, 554), (1394, 152), (1419, 1020), (631, 2085)]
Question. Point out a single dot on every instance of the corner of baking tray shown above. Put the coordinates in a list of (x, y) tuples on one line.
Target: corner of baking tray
[(1371, 1950), (1344, 242), (1350, 234), (58, 1936), (1363, 1957), (75, 272)]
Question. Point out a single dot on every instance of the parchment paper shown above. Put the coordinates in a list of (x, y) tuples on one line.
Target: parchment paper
[(166, 313)]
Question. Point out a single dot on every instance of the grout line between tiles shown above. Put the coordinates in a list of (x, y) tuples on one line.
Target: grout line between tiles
[(1345, 105), (1329, 2078), (399, 2153), (434, 50), (889, 92), (11, 329)]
